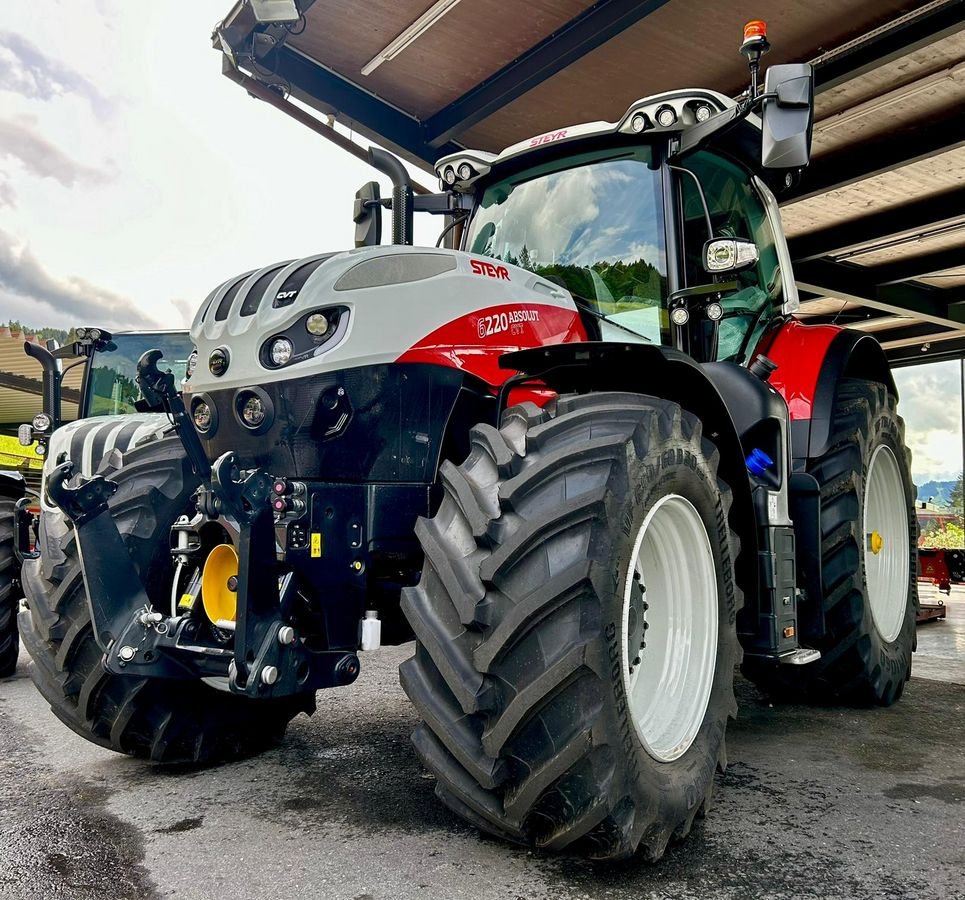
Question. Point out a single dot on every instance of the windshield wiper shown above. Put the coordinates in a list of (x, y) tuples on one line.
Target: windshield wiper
[(583, 304)]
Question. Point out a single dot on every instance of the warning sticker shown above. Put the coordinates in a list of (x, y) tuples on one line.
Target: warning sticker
[(316, 544)]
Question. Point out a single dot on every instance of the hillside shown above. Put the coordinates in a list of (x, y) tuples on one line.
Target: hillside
[(939, 492)]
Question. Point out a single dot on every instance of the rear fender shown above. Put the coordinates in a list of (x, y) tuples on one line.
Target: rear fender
[(811, 361)]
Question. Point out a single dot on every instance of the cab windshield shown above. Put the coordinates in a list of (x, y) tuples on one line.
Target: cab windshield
[(112, 385), (593, 224)]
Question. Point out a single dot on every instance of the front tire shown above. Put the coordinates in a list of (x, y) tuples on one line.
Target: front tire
[(869, 536), (552, 715), (9, 573), (164, 720)]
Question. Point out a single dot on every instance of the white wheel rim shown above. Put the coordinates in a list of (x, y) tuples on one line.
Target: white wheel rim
[(885, 543), (668, 683)]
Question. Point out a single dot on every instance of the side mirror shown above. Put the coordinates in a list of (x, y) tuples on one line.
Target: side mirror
[(368, 215), (729, 255), (787, 117)]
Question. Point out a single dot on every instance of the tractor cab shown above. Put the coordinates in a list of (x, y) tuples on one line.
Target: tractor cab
[(661, 225)]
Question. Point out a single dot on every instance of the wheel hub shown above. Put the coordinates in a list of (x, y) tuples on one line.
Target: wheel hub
[(886, 558)]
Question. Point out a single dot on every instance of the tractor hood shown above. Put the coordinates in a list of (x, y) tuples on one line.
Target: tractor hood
[(368, 306)]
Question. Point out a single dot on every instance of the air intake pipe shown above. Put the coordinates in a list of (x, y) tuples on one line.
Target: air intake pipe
[(51, 380), (401, 193)]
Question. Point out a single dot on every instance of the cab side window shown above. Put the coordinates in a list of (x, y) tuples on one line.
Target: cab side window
[(736, 210)]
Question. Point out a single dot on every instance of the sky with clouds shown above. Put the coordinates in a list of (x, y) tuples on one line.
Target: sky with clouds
[(134, 178), (931, 405)]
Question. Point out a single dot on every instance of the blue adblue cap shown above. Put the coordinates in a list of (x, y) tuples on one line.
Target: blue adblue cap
[(758, 462)]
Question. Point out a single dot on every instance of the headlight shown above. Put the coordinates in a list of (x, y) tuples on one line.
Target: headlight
[(703, 112), (218, 361), (449, 175), (639, 122), (465, 171), (41, 422), (281, 351), (253, 411), (191, 365), (201, 414), (714, 311), (316, 324), (680, 316)]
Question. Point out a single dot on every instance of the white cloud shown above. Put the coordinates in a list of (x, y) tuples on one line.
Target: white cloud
[(26, 70), (20, 140), (932, 410), (23, 275)]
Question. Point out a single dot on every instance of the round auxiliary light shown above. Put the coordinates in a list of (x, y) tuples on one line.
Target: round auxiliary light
[(449, 175), (218, 362), (465, 171), (41, 450), (41, 422), (316, 324), (666, 116), (94, 334), (639, 122), (680, 316), (703, 112), (280, 351), (715, 312), (81, 333), (191, 364), (201, 415), (253, 412)]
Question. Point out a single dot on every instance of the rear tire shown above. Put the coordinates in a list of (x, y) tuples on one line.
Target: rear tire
[(9, 596), (167, 721), (524, 621), (871, 598)]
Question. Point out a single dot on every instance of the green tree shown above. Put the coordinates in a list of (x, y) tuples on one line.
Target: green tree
[(956, 502)]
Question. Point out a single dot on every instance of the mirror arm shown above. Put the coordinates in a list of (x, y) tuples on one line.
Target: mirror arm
[(703, 198)]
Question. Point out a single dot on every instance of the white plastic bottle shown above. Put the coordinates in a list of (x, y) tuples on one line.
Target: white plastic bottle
[(371, 630)]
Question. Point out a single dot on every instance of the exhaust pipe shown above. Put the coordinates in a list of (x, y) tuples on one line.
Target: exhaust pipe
[(401, 193)]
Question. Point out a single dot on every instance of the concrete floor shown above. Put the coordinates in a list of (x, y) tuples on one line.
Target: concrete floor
[(816, 803), (941, 644)]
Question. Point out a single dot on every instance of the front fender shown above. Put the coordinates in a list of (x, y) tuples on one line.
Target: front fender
[(662, 372)]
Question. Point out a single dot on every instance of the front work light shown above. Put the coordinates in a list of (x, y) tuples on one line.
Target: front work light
[(253, 411), (729, 254), (41, 422), (201, 414), (680, 315)]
